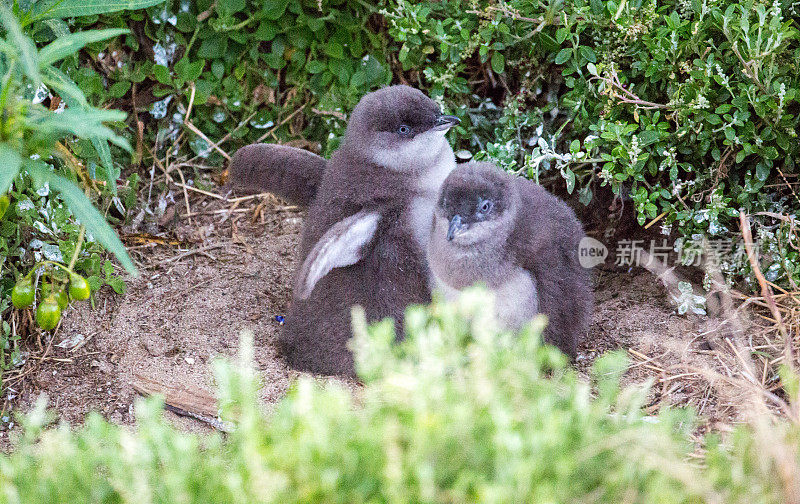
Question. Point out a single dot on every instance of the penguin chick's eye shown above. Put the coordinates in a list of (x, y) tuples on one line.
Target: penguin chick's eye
[(485, 206), (404, 130)]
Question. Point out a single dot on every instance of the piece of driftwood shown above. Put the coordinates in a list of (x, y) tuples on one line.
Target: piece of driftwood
[(194, 403)]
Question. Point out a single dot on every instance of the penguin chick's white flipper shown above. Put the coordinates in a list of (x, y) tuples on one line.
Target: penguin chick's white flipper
[(342, 245)]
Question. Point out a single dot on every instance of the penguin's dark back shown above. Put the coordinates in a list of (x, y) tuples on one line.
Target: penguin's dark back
[(547, 235), (349, 185), (391, 275)]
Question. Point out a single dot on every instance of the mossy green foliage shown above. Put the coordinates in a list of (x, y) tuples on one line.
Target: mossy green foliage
[(457, 413)]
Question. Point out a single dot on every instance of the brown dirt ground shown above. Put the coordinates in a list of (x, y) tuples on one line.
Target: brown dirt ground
[(189, 307)]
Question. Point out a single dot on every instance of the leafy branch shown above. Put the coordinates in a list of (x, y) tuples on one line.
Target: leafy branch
[(29, 132)]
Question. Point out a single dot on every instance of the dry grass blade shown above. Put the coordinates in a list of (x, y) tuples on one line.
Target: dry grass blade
[(766, 292), (202, 135), (789, 356)]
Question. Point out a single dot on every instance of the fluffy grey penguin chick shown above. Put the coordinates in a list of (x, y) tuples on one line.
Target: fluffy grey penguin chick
[(291, 173), (367, 229), (521, 242)]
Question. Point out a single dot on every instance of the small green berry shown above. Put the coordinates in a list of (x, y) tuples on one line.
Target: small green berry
[(48, 313), (22, 294), (79, 288)]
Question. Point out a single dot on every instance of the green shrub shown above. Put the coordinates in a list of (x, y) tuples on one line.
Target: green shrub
[(41, 235), (246, 65), (689, 107), (458, 413)]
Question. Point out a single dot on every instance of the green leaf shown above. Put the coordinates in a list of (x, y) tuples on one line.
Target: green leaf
[(213, 47), (230, 6), (569, 176), (314, 66), (94, 282), (84, 211), (274, 9), (78, 8), (87, 123), (63, 85), (108, 269), (334, 50), (762, 172), (117, 284), (563, 55), (58, 26), (4, 204), (589, 54), (648, 137), (585, 195), (358, 79), (498, 62), (10, 162), (730, 133), (161, 73), (62, 47), (218, 69), (189, 71), (315, 24), (112, 172), (23, 44), (118, 89), (770, 152)]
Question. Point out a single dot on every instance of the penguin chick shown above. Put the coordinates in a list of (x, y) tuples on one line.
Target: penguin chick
[(521, 242), (288, 172), (367, 229)]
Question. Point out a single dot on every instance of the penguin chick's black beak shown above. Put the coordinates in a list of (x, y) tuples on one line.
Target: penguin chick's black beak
[(456, 226), (445, 122)]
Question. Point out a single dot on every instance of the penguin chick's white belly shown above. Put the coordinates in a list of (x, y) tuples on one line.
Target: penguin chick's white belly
[(516, 301), (420, 215)]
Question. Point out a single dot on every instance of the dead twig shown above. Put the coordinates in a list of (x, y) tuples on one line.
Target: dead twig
[(190, 253), (619, 91), (206, 193), (185, 196), (202, 135), (766, 292), (195, 402), (284, 121)]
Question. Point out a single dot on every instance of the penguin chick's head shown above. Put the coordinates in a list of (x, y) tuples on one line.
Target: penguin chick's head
[(477, 203), (400, 128)]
